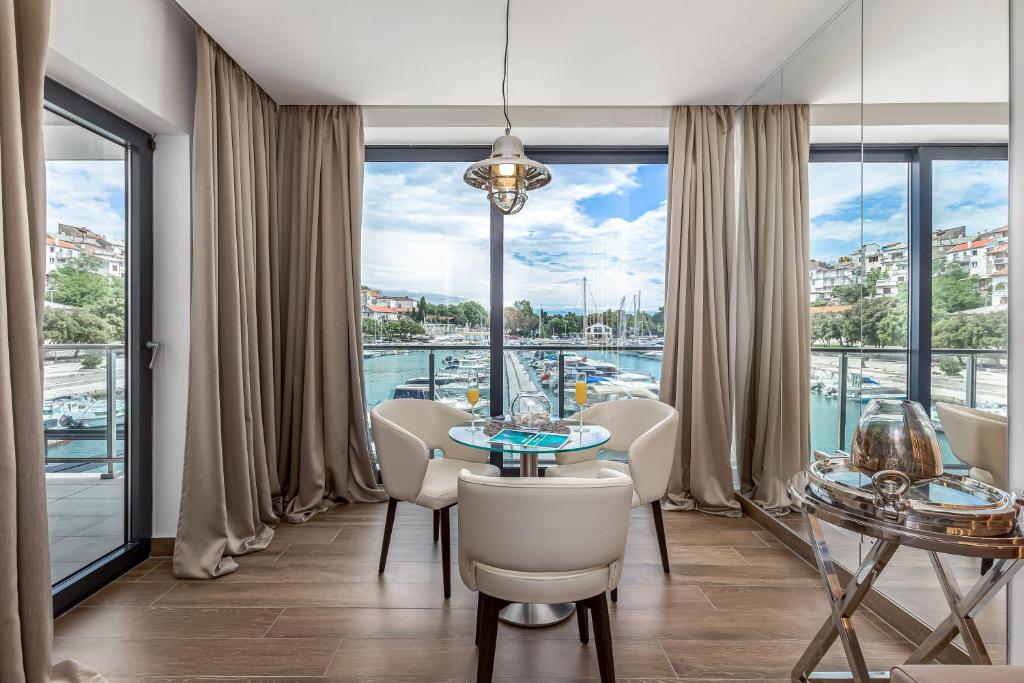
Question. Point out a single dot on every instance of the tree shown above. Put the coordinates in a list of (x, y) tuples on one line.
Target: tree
[(954, 289), (369, 327), (971, 331), (871, 281), (421, 309), (847, 294), (951, 366), (77, 283), (404, 327), (71, 326)]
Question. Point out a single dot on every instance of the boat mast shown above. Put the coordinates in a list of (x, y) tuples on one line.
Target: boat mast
[(584, 307)]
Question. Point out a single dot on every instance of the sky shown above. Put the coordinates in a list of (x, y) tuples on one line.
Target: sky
[(970, 193), (86, 194), (425, 232)]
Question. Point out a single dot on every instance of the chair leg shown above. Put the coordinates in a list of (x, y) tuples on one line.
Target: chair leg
[(615, 595), (986, 564), (582, 622), (479, 615), (437, 524), (446, 560), (659, 526), (603, 635), (388, 526), (488, 638)]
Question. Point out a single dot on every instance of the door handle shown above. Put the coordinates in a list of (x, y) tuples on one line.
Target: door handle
[(155, 347)]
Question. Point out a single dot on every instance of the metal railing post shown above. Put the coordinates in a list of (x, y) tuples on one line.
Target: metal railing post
[(111, 413), (843, 369), (432, 384), (561, 385), (972, 381)]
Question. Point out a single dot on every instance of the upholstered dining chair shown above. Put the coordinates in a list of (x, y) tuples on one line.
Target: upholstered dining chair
[(537, 540), (406, 432), (644, 430), (978, 438)]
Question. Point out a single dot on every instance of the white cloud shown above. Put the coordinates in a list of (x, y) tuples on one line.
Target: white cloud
[(424, 230), (86, 194)]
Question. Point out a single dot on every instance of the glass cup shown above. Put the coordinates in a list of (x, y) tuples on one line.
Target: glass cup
[(473, 397), (581, 400)]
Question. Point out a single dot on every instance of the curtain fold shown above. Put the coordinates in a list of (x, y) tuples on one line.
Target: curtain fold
[(697, 373), (324, 441), (773, 318), (26, 624), (275, 426)]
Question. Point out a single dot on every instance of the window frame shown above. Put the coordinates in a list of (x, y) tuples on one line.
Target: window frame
[(138, 331), (920, 159), (550, 154)]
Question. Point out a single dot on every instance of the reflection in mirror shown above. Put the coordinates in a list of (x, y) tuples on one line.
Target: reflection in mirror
[(936, 90)]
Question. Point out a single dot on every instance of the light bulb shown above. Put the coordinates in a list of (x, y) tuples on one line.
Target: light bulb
[(506, 170)]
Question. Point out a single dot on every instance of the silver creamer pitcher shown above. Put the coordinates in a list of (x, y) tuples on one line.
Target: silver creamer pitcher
[(896, 435)]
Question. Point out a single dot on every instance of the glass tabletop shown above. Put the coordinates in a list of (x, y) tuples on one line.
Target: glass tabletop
[(529, 442)]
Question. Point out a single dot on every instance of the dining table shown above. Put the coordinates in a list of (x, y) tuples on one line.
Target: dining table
[(581, 437)]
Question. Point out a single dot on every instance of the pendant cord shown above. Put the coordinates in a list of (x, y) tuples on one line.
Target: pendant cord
[(504, 78)]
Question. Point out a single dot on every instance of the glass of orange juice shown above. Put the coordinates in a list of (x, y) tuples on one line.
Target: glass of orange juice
[(581, 400), (473, 397)]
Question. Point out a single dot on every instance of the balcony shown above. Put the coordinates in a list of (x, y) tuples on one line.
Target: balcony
[(844, 379), (84, 435)]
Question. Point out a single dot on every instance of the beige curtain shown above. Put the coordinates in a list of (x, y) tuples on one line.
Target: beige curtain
[(324, 442), (275, 427), (773, 329), (696, 377), (25, 606)]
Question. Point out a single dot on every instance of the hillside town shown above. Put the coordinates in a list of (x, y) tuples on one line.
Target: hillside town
[(71, 242), (885, 267)]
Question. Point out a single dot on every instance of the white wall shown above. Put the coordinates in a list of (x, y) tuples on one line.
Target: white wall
[(137, 59), (1015, 609)]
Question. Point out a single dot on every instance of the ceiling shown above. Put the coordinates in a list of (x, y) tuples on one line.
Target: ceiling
[(578, 53)]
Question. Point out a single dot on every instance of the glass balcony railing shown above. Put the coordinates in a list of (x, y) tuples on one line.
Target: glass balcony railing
[(844, 379), (84, 408)]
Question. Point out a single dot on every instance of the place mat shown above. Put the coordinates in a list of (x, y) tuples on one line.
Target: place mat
[(492, 427)]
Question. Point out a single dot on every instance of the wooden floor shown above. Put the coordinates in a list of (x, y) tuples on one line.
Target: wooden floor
[(738, 606)]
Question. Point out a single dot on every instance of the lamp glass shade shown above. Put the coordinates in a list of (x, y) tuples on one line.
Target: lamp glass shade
[(507, 175)]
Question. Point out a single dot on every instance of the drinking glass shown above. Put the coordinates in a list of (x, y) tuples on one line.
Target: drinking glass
[(581, 400), (473, 397)]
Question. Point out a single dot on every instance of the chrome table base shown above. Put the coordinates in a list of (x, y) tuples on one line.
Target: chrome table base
[(535, 616), (844, 602), (527, 615)]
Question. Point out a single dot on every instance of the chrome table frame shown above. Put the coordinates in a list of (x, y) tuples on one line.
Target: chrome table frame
[(843, 602)]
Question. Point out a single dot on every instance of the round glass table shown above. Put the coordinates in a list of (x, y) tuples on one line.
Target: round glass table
[(519, 613), (595, 436)]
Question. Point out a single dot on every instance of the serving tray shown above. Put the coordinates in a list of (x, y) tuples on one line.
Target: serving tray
[(948, 503)]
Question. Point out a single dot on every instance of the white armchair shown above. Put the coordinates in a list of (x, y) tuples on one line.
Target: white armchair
[(978, 438), (406, 432), (646, 431), (538, 540)]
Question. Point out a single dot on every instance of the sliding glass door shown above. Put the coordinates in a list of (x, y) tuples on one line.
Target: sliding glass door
[(95, 412)]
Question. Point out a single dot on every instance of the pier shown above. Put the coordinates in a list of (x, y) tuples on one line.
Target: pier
[(517, 378)]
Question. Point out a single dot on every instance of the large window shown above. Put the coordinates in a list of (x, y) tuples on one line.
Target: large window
[(578, 274), (95, 386), (866, 327)]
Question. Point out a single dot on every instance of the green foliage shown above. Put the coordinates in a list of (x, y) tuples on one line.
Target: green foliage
[(73, 326), (971, 331), (847, 294), (951, 366), (91, 361), (954, 290), (77, 284), (404, 327), (870, 282)]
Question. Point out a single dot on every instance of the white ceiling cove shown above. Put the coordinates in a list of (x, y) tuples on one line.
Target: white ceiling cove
[(563, 53)]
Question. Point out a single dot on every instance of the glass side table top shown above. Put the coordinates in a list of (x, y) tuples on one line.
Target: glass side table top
[(592, 438)]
